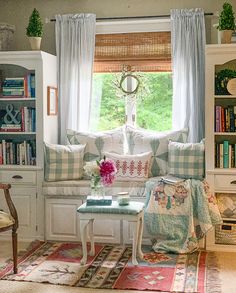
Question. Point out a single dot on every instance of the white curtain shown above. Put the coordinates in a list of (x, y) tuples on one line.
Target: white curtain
[(75, 43), (188, 59)]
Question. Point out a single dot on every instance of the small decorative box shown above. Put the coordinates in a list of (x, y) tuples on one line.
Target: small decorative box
[(123, 198), (99, 200)]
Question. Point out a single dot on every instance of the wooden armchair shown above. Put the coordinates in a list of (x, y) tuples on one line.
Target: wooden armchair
[(10, 222)]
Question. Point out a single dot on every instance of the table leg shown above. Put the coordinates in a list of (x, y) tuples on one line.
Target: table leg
[(83, 231), (92, 250), (140, 237), (135, 242)]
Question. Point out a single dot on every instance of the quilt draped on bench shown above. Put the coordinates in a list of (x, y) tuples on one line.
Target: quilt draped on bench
[(178, 215)]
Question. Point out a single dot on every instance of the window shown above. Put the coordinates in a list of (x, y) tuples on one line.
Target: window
[(145, 53)]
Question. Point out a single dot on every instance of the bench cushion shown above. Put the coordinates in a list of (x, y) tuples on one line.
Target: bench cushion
[(82, 188), (133, 208)]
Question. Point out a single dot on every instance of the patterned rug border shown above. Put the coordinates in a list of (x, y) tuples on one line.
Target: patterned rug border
[(213, 282)]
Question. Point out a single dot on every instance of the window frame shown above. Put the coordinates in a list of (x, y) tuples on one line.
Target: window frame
[(132, 26)]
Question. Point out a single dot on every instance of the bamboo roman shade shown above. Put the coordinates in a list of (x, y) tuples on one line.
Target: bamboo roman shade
[(147, 52)]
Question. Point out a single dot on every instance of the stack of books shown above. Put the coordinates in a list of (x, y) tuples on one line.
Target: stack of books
[(19, 87), (99, 200), (14, 87), (225, 155), (225, 118), (17, 153)]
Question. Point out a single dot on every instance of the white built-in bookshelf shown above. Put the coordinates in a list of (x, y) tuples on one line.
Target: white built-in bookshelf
[(24, 126), (220, 117)]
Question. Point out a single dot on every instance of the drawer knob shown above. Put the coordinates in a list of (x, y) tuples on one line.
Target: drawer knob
[(233, 182), (17, 177)]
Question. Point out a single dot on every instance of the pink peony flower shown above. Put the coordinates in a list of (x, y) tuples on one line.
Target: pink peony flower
[(107, 171)]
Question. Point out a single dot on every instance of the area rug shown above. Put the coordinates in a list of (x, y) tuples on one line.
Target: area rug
[(111, 268)]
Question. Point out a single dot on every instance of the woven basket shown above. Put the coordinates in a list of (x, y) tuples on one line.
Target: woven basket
[(225, 233)]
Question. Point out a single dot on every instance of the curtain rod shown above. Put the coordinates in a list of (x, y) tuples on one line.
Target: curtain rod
[(135, 17)]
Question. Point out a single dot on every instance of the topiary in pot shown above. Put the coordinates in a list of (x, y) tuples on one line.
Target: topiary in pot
[(34, 30), (226, 22)]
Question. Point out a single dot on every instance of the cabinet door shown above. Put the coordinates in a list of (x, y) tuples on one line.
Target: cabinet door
[(128, 230), (24, 199), (107, 231), (62, 222)]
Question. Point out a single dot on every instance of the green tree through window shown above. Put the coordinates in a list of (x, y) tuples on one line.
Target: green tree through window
[(154, 111)]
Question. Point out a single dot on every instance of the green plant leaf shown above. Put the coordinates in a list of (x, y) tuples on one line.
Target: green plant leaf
[(35, 26)]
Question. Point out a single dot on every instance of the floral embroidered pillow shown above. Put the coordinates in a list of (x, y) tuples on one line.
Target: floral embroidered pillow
[(131, 167)]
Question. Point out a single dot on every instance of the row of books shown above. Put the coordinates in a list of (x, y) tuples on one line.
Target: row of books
[(19, 87), (27, 121), (225, 118), (225, 155), (18, 153)]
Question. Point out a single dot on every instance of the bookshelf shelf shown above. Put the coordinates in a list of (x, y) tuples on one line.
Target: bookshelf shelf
[(16, 99), (225, 133), (225, 97), (220, 135), (20, 167), (17, 133)]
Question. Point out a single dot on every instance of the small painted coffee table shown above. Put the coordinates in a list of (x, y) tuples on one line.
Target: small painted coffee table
[(132, 213)]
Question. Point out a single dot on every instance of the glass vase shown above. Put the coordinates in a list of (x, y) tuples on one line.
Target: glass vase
[(96, 187)]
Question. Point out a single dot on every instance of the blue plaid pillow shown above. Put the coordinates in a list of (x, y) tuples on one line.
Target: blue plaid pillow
[(63, 162), (186, 160)]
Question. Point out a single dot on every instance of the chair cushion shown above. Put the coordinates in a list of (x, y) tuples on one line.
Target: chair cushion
[(6, 220), (133, 208)]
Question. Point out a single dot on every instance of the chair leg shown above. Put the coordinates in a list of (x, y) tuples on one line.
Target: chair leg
[(14, 247)]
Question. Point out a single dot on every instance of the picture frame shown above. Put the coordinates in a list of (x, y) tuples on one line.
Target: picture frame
[(52, 101)]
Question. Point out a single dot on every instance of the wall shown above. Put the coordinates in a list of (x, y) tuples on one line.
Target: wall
[(17, 12)]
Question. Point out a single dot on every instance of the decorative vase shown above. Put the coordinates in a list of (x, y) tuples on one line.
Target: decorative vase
[(35, 43), (226, 36), (96, 187)]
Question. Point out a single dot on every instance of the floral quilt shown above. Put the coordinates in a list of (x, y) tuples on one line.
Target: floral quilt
[(178, 215)]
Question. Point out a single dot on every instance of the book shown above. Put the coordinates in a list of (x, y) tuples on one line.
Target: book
[(230, 156), (4, 152), (225, 154), (217, 118), (221, 155), (99, 201), (1, 158), (169, 179), (32, 85), (231, 118), (222, 128)]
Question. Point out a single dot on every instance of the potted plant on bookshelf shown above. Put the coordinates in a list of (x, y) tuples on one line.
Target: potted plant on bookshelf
[(226, 23), (34, 30)]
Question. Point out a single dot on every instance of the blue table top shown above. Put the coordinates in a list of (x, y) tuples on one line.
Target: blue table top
[(132, 208)]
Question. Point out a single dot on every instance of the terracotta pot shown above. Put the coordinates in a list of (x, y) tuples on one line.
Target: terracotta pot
[(35, 42), (226, 36)]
